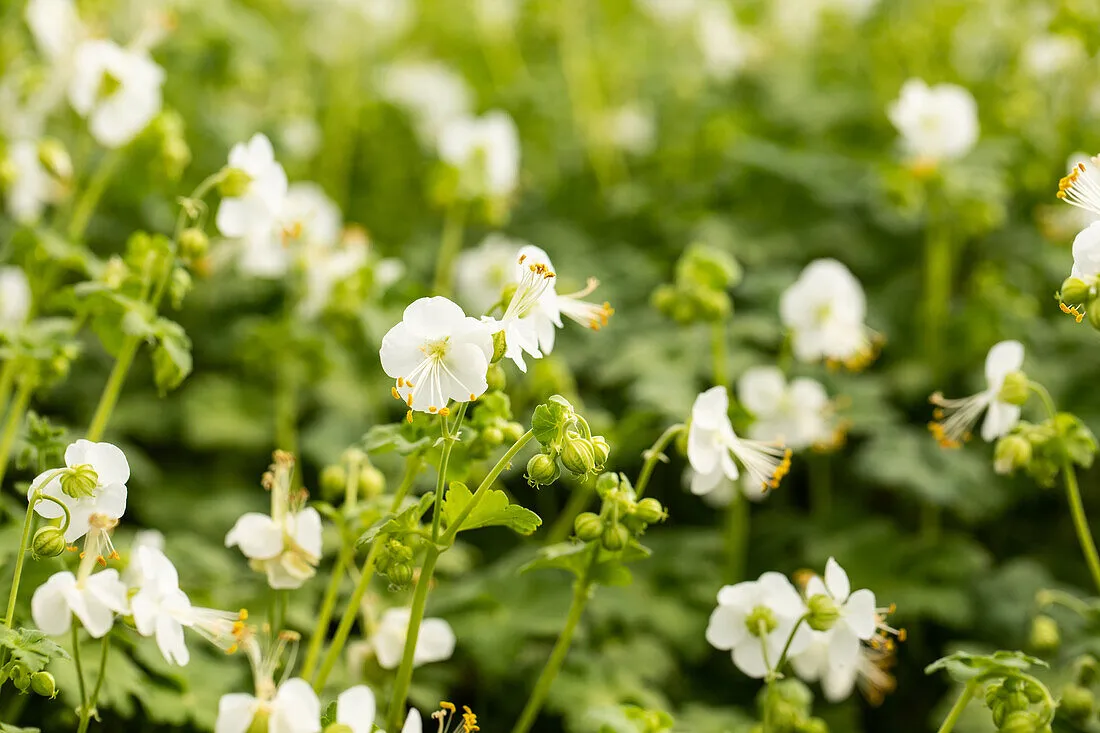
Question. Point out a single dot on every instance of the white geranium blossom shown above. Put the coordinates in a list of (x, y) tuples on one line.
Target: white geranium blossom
[(1051, 53), (955, 418), (15, 297), (1086, 253), (286, 547), (714, 449), (435, 643), (116, 89), (356, 708), (798, 413), (754, 621), (431, 92), (56, 28), (437, 354), (93, 599), (485, 150), (936, 123), (482, 272), (1081, 187), (293, 708), (306, 219), (825, 310), (93, 482), (858, 617), (256, 208), (32, 187)]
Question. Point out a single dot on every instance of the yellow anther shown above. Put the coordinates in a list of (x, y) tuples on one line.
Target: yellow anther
[(448, 706), (395, 393), (400, 381), (1078, 315), (409, 416), (433, 409), (444, 411)]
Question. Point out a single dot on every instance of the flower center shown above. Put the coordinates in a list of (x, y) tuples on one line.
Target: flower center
[(437, 349), (761, 621), (109, 84)]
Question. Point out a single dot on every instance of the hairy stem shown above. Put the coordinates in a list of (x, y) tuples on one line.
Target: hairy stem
[(737, 536), (404, 671)]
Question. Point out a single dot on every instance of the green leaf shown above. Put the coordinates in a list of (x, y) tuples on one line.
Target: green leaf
[(399, 524), (30, 647), (172, 356), (549, 418), (963, 666), (569, 556), (6, 728), (391, 437), (494, 510), (328, 715)]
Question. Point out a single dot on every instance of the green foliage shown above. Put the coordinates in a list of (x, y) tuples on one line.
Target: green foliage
[(493, 510)]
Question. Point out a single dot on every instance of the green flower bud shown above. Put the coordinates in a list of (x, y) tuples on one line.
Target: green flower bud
[(513, 431), (542, 470), (664, 299), (615, 537), (606, 483), (338, 728), (193, 244), (372, 482), (1000, 711), (588, 527), (1077, 703), (1045, 635), (495, 377), (1086, 669), (1074, 290), (650, 511), (399, 575), (1017, 700), (55, 159), (602, 451), (1034, 691), (708, 268), (1011, 452), (79, 481), (761, 621), (48, 542), (500, 345), (1093, 315), (1015, 389), (993, 693), (234, 183), (492, 435), (21, 677), (1021, 721), (334, 479), (823, 612), (578, 455), (44, 684)]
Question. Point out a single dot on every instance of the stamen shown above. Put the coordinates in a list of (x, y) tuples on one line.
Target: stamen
[(953, 419), (1080, 188), (767, 463), (1078, 315)]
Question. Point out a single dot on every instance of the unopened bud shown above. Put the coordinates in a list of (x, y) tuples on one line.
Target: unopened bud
[(513, 431), (1021, 721), (55, 159), (400, 574), (542, 470), (615, 537), (495, 377), (333, 480), (823, 612), (1093, 314), (1077, 703), (578, 455), (1045, 636), (1086, 669), (1074, 291), (602, 451), (500, 345), (606, 483), (1015, 389), (588, 527), (234, 183), (493, 436), (650, 511), (48, 542), (372, 482), (79, 482), (1011, 452), (193, 243), (44, 684), (338, 728)]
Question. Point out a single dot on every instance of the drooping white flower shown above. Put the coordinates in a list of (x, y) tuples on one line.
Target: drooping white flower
[(754, 621), (292, 708), (797, 413), (117, 89), (93, 483), (32, 187), (936, 123), (714, 449), (955, 418), (15, 297), (435, 643), (265, 189), (723, 45), (825, 310), (485, 150), (1086, 253), (159, 607), (431, 92), (482, 272), (858, 617), (287, 548), (94, 600), (437, 354), (356, 708), (56, 27)]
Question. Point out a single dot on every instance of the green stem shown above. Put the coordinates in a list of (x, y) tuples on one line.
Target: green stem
[(28, 525), (14, 420), (416, 616), (313, 652), (505, 460), (654, 454), (790, 640), (582, 592), (450, 244), (450, 435), (737, 536), (89, 710), (7, 381), (79, 671), (111, 390), (937, 288), (93, 192), (957, 709), (1080, 522), (563, 525), (719, 358), (821, 485), (351, 612)]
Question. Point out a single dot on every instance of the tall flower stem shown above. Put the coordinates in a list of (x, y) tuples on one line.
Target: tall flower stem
[(324, 618), (736, 536), (938, 267), (88, 710), (351, 612), (1080, 521), (109, 398), (719, 358), (776, 672), (450, 435), (7, 381), (654, 454), (24, 542), (79, 671), (957, 709), (821, 485), (423, 583), (93, 192), (583, 588), (14, 419), (450, 244)]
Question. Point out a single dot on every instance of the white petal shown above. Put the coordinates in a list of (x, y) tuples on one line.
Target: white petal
[(859, 613), (711, 408), (257, 535), (413, 723), (295, 709), (843, 647), (749, 658), (435, 643), (308, 530), (111, 500), (80, 512), (1003, 359), (464, 378), (726, 628), (815, 586), (400, 352), (779, 595), (435, 317), (836, 580), (838, 682), (706, 483), (811, 663), (355, 708), (170, 640), (1000, 418), (741, 594), (49, 607), (48, 509), (79, 453), (235, 713), (145, 609), (761, 390)]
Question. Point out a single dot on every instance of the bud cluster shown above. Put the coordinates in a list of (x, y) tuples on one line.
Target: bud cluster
[(395, 562), (40, 683), (564, 436), (1042, 449), (1019, 705), (622, 517), (699, 291), (491, 418), (788, 706), (1078, 700)]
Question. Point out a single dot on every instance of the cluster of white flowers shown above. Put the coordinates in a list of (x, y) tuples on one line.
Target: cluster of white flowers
[(936, 123)]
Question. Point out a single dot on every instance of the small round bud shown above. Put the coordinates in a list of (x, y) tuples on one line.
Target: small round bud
[(496, 378), (333, 481), (80, 481), (194, 244), (1021, 721), (1077, 703), (55, 159), (615, 537), (1015, 389), (606, 483), (1045, 635), (823, 612), (338, 728), (1034, 691), (1094, 317), (400, 574), (993, 693), (650, 511), (542, 470), (48, 542), (1074, 290), (513, 431), (500, 345), (999, 711), (588, 527), (492, 435), (234, 182), (578, 455), (1017, 700), (1011, 452), (44, 684), (21, 677), (372, 482), (1086, 669), (602, 450)]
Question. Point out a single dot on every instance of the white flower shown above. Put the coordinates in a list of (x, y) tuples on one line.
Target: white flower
[(159, 607), (93, 600), (294, 708), (431, 92), (797, 413), (435, 643), (713, 448), (15, 297), (482, 272), (94, 482), (837, 682), (724, 46), (1086, 253), (858, 619), (1051, 53), (630, 128), (936, 123), (1081, 186), (356, 708), (56, 27), (955, 418), (437, 354), (261, 201), (754, 621), (118, 90), (485, 150), (32, 187), (306, 216), (286, 547), (824, 310)]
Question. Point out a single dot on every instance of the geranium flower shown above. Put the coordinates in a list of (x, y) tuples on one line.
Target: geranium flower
[(93, 599), (293, 707), (287, 548), (356, 708), (93, 482), (825, 311), (263, 189), (954, 419), (32, 187), (116, 89), (936, 123), (15, 297), (435, 642), (797, 413), (485, 151), (431, 92)]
